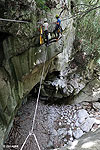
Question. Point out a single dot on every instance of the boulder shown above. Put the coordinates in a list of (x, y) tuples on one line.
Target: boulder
[(77, 133), (87, 125), (89, 141), (82, 115)]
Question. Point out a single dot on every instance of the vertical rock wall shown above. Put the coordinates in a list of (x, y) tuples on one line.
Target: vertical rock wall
[(22, 58)]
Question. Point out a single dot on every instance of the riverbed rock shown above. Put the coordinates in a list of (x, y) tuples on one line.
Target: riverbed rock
[(70, 132), (89, 141), (50, 145), (77, 133), (61, 131), (82, 115), (96, 105), (87, 125)]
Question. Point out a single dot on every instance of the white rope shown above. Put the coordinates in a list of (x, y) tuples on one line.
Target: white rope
[(37, 102), (25, 141), (36, 141), (10, 20), (38, 98)]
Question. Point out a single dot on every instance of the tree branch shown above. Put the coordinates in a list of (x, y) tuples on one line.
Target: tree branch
[(87, 5), (89, 11)]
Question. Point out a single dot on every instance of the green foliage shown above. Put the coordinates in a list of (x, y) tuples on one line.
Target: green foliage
[(88, 30), (41, 4)]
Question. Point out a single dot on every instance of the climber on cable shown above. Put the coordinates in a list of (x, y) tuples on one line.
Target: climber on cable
[(45, 29), (58, 28)]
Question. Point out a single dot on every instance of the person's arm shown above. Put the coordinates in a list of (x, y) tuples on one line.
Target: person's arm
[(57, 23)]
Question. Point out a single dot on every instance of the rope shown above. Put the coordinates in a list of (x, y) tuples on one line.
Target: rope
[(36, 141), (25, 141), (38, 95), (34, 118), (19, 21), (11, 20)]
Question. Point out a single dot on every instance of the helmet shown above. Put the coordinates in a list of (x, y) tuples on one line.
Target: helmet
[(57, 16), (45, 19)]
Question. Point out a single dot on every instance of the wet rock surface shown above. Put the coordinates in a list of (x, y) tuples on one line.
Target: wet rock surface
[(55, 126)]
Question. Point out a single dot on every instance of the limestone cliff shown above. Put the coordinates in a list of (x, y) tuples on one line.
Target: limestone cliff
[(21, 56)]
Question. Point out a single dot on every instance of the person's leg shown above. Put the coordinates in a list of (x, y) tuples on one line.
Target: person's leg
[(59, 31), (47, 37), (55, 31), (44, 37)]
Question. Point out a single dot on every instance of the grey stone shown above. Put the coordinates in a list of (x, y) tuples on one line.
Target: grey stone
[(60, 123), (68, 120), (65, 145), (89, 141), (87, 125), (77, 123), (65, 121), (71, 139), (54, 132), (75, 116), (61, 131), (70, 132), (65, 140), (97, 121), (64, 134), (96, 105), (50, 144), (77, 133), (82, 115), (69, 143)]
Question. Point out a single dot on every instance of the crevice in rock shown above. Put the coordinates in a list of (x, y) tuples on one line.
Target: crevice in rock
[(3, 36), (72, 5)]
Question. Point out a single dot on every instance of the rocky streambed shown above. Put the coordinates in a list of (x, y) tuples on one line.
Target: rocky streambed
[(55, 126)]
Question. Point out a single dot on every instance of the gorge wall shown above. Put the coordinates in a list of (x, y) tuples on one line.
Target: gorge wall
[(22, 57)]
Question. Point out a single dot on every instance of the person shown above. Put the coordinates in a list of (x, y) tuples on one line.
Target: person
[(45, 29), (57, 27), (41, 35)]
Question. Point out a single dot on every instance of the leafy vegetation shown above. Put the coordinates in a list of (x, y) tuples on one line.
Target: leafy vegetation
[(88, 29), (41, 4)]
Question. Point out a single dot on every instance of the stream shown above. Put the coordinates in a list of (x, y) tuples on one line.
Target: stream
[(56, 125)]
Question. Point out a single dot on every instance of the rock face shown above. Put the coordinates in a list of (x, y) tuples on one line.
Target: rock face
[(22, 58), (90, 141), (70, 129)]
